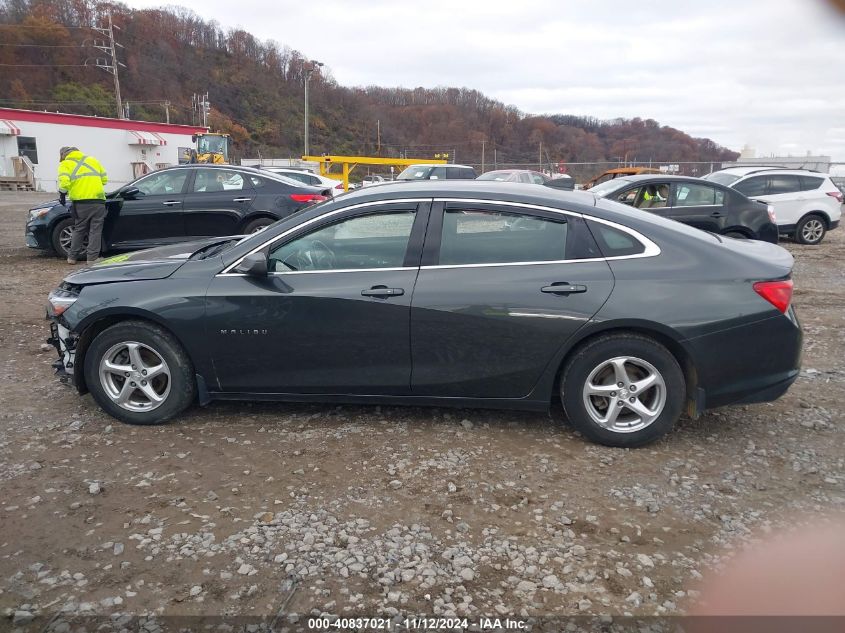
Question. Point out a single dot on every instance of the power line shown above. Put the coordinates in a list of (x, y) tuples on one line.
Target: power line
[(44, 65), (31, 26), (44, 45)]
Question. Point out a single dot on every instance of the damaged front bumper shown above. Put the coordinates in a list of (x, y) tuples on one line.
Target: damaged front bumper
[(65, 343)]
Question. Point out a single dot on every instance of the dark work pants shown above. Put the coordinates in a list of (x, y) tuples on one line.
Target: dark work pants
[(88, 218)]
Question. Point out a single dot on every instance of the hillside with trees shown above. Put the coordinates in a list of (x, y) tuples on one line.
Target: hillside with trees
[(47, 62)]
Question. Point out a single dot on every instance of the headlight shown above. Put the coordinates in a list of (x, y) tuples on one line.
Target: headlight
[(60, 300), (34, 214)]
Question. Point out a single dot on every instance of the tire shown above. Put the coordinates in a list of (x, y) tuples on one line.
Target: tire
[(593, 365), (256, 225), (60, 237), (154, 348), (810, 229)]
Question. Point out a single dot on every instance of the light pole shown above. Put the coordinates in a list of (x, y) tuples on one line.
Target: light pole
[(308, 68)]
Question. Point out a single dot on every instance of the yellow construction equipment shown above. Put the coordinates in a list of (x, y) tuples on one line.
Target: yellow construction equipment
[(349, 163), (212, 147)]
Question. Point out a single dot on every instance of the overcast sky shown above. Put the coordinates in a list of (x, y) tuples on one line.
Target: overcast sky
[(767, 73)]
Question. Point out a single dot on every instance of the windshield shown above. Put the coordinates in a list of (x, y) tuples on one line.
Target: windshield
[(721, 178), (213, 145), (495, 175), (415, 172), (609, 186)]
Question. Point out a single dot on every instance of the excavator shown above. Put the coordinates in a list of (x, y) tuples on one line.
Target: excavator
[(212, 147)]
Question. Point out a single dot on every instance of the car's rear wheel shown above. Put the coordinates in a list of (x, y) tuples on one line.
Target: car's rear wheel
[(139, 373), (623, 390), (61, 237), (256, 225), (810, 229)]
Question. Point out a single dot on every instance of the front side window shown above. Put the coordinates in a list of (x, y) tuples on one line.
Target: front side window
[(163, 183), (755, 186), (694, 195), (215, 180), (376, 240), (653, 196), (629, 197), (438, 173), (473, 236)]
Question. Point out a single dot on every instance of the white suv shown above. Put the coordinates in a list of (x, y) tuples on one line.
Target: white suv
[(807, 204)]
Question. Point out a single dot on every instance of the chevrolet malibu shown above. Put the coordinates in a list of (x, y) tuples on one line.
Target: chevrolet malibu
[(469, 293)]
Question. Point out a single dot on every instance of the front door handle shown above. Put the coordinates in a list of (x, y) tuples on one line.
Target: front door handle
[(383, 291), (717, 214), (563, 288), (241, 199), (170, 203)]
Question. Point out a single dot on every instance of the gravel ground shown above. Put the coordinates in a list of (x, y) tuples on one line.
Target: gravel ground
[(249, 509)]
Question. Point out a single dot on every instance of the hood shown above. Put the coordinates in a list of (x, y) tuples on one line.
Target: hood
[(151, 263)]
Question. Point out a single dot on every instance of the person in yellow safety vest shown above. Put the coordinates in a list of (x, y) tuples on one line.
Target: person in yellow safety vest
[(655, 196), (81, 178)]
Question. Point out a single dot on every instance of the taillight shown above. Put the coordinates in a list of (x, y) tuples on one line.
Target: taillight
[(772, 215), (339, 185), (836, 194), (307, 197), (778, 293)]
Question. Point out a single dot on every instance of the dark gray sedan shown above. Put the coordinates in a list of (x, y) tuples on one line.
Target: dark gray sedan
[(468, 293)]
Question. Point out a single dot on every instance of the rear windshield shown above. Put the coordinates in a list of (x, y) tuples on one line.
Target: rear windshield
[(721, 178)]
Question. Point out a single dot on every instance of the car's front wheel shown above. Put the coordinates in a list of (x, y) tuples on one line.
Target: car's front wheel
[(623, 390), (61, 237), (811, 229), (139, 373)]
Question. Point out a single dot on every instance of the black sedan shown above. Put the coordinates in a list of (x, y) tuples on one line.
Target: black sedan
[(466, 293), (699, 203), (178, 204)]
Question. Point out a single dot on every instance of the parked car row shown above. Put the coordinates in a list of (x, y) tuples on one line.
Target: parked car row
[(807, 203), (177, 204), (447, 293)]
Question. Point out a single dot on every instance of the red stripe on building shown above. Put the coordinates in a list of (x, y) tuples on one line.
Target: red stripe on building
[(93, 121)]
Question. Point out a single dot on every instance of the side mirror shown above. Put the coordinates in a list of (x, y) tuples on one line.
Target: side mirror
[(130, 193), (254, 265)]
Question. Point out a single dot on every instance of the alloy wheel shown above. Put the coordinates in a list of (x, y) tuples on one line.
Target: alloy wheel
[(65, 237), (812, 231), (624, 394), (135, 376)]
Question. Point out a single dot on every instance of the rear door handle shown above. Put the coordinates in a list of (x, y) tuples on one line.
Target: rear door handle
[(170, 203), (383, 291), (563, 288), (241, 199)]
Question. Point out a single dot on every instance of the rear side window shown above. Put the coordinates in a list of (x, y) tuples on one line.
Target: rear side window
[(808, 183), (614, 242), (460, 173), (474, 236), (755, 186), (783, 183), (694, 195)]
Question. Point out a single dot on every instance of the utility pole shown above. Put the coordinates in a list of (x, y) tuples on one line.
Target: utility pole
[(378, 137), (495, 158), (540, 161), (113, 66), (482, 156), (167, 111)]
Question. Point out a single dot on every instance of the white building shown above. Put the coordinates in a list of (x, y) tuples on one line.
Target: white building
[(30, 142)]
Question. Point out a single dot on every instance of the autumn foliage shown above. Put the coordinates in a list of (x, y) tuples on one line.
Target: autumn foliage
[(256, 90)]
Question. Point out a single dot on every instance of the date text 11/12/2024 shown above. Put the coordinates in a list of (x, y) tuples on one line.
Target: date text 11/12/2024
[(416, 623)]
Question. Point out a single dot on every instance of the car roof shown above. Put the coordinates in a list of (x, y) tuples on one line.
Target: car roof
[(746, 171), (662, 177), (440, 165)]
